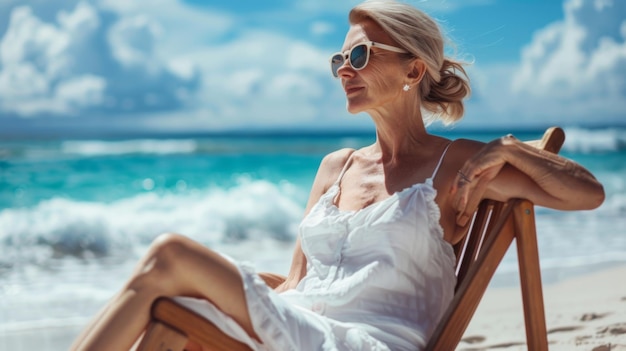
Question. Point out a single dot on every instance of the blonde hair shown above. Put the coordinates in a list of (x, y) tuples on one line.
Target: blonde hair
[(445, 83)]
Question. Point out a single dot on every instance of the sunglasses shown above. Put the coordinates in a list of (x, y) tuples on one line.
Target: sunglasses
[(359, 56)]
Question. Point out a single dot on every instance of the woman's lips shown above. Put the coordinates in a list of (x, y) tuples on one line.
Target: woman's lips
[(353, 89)]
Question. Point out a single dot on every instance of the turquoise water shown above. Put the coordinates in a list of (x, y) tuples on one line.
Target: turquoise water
[(76, 214)]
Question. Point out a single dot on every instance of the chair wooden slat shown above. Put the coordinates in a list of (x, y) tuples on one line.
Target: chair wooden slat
[(472, 240)]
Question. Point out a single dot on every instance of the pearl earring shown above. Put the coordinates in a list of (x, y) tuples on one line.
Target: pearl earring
[(406, 87)]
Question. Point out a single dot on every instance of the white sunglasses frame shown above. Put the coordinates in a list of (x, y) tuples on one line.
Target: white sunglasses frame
[(368, 44)]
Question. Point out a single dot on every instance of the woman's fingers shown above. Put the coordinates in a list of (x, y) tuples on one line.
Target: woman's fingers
[(472, 180), (470, 188), (462, 188), (479, 186)]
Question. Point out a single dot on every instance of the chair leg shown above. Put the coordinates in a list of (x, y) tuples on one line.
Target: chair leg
[(530, 277), (160, 337)]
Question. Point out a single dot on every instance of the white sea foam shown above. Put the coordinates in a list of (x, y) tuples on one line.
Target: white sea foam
[(137, 146), (63, 259), (251, 211), (594, 140), (50, 271)]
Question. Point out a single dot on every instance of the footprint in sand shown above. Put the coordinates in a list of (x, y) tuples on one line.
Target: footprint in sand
[(615, 329), (506, 345), (474, 339), (582, 339), (591, 316), (563, 329)]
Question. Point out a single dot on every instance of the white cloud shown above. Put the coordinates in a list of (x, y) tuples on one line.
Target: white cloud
[(264, 78), (244, 82), (29, 39), (570, 57), (22, 81), (321, 28), (87, 90), (324, 6), (183, 26), (344, 6), (132, 40), (573, 71), (163, 64), (601, 4), (82, 21), (302, 56), (448, 5), (30, 57), (67, 67)]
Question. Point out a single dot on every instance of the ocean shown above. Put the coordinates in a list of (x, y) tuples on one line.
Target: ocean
[(76, 214)]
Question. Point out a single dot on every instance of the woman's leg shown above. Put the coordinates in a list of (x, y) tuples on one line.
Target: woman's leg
[(174, 266)]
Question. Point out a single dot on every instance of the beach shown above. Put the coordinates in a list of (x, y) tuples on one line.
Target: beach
[(582, 313), (76, 215), (585, 312)]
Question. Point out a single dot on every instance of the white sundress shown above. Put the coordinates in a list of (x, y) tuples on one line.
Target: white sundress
[(377, 279)]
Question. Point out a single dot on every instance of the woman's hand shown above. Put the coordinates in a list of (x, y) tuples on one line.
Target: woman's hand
[(473, 179)]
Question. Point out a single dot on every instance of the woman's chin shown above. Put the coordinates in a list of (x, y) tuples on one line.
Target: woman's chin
[(354, 108), (352, 111)]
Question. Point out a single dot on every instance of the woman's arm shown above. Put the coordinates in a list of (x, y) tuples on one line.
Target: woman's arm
[(329, 170), (297, 270), (508, 168)]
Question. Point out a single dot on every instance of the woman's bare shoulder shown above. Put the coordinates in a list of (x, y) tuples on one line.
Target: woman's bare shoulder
[(335, 161), (328, 172), (467, 145), (459, 150)]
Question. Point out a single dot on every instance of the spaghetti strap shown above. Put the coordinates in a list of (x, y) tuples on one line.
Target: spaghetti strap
[(441, 160), (345, 168)]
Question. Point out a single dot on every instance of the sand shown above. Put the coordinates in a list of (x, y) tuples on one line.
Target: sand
[(582, 313)]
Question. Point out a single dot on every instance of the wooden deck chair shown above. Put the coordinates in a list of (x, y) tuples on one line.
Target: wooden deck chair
[(493, 229), (495, 225)]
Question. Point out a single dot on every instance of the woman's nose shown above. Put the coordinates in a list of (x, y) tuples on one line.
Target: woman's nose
[(345, 69)]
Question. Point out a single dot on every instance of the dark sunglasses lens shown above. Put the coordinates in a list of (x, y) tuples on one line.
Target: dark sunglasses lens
[(336, 62), (358, 56)]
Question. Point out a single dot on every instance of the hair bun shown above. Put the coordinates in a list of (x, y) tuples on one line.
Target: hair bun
[(444, 98)]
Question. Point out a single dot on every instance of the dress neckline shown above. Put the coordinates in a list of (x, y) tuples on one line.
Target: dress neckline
[(337, 187), (334, 190), (350, 215)]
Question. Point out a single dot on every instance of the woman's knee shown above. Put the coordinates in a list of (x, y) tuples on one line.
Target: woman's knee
[(158, 269), (170, 251), (169, 246)]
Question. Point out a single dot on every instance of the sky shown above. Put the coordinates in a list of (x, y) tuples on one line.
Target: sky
[(178, 66)]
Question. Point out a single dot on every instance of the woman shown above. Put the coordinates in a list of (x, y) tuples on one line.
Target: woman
[(373, 267)]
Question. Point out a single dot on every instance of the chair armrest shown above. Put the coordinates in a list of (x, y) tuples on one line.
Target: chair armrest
[(271, 279), (174, 316)]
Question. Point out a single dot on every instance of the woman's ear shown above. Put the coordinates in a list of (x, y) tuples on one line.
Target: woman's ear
[(417, 69)]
